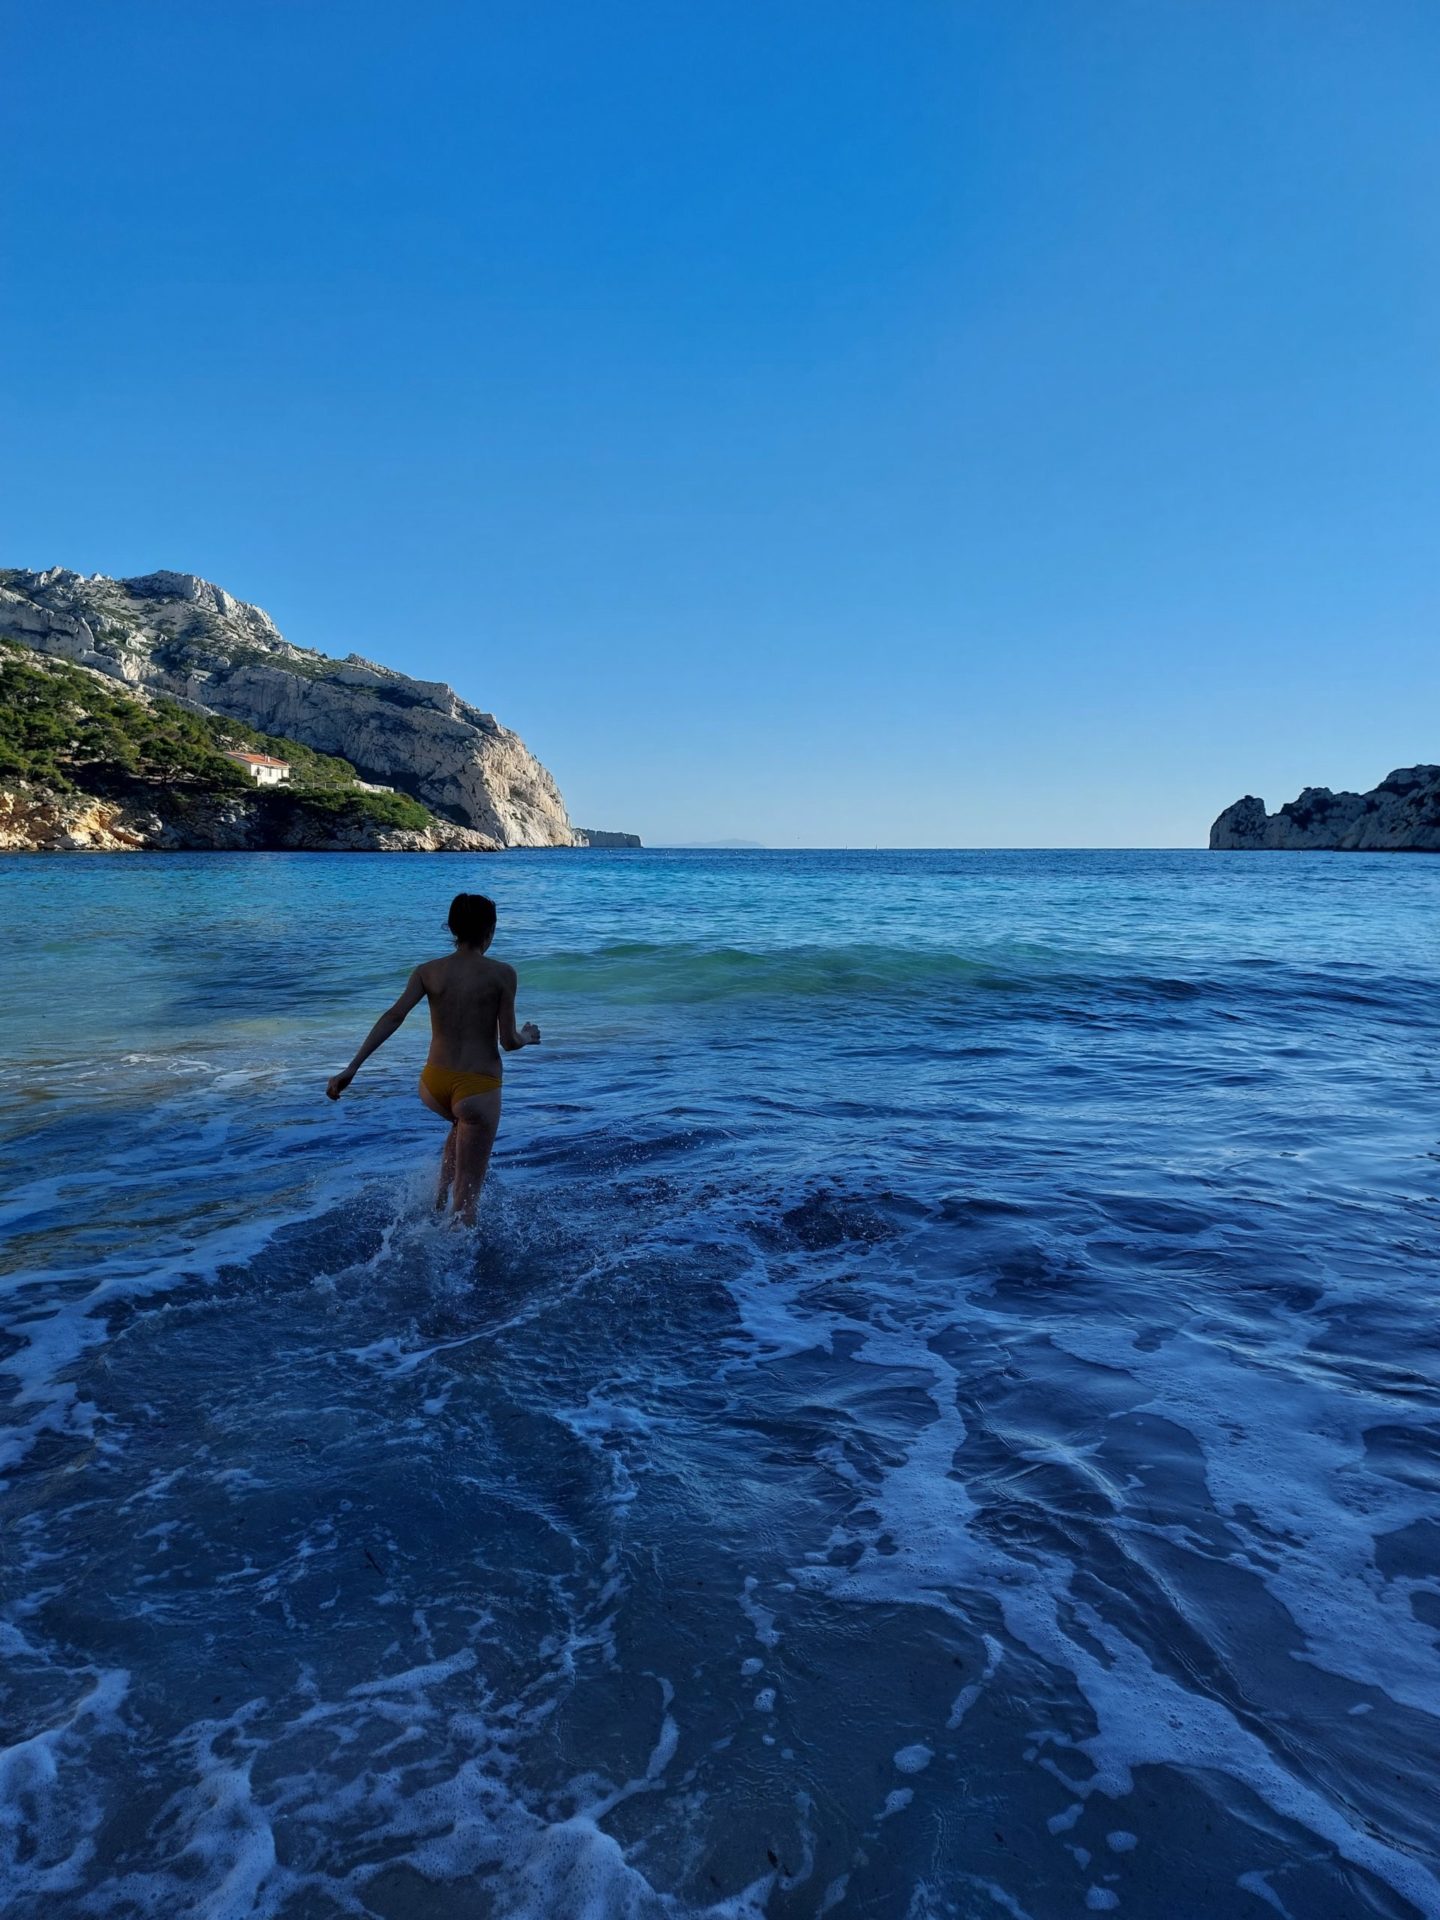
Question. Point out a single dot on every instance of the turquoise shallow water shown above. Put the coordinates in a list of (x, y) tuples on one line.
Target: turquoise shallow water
[(939, 1417)]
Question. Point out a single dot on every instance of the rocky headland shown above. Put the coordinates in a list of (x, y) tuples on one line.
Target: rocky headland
[(598, 837), (176, 638), (1401, 815)]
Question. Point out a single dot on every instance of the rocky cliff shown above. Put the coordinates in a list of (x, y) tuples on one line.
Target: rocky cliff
[(1401, 815), (175, 634)]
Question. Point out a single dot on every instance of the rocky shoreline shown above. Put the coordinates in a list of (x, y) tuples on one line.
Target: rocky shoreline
[(37, 820), (1400, 815)]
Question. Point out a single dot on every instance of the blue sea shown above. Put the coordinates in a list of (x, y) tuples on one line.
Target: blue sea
[(938, 1416)]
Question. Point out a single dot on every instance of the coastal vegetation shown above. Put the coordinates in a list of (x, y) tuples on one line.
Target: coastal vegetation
[(62, 728)]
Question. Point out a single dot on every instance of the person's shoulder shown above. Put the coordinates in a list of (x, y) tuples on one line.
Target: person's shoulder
[(504, 972), (431, 970)]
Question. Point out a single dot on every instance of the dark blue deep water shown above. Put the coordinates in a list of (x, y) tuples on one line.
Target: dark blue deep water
[(939, 1416)]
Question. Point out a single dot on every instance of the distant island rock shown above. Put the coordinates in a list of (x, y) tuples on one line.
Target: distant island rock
[(175, 637), (597, 837), (1401, 815)]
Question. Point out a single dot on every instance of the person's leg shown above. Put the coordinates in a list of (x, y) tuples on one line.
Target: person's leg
[(478, 1118), (447, 1168), (447, 1157)]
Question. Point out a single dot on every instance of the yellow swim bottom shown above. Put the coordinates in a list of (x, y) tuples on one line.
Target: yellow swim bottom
[(448, 1087)]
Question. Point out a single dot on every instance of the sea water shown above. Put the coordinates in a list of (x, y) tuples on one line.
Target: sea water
[(938, 1416)]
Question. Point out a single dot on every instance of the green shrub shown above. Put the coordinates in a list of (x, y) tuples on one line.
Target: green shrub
[(385, 809), (63, 728)]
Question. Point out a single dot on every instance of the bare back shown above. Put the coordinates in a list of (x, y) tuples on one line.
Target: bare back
[(472, 1001), (472, 1021)]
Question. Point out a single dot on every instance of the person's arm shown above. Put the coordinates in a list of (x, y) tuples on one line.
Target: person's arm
[(512, 1038), (389, 1022)]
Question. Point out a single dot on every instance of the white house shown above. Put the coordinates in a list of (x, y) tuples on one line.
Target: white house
[(264, 771)]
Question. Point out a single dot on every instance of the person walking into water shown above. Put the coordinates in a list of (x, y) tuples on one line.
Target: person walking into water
[(472, 1017)]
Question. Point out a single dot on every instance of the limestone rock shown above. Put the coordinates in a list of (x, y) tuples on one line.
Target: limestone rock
[(1401, 815), (35, 820), (176, 634)]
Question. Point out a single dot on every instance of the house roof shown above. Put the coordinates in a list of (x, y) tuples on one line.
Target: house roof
[(257, 760)]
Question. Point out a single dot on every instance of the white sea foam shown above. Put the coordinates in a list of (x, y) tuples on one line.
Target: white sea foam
[(1287, 1470), (448, 1510), (761, 1619), (49, 1807), (1259, 1885), (968, 1695), (1145, 1717)]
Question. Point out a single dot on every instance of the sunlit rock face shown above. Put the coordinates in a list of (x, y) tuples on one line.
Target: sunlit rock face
[(176, 634), (1401, 815)]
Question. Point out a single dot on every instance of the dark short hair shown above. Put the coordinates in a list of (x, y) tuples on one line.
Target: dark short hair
[(472, 919)]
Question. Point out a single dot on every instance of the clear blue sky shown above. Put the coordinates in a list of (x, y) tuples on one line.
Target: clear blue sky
[(1013, 422)]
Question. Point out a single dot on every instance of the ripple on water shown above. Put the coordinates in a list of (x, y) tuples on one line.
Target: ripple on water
[(971, 1454)]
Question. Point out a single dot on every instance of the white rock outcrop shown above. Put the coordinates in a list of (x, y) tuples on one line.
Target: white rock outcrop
[(176, 634)]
